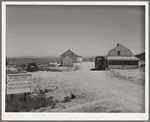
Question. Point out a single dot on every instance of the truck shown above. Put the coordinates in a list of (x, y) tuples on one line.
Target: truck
[(101, 63)]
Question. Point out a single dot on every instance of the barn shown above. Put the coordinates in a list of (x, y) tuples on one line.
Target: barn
[(121, 57), (67, 61), (70, 57)]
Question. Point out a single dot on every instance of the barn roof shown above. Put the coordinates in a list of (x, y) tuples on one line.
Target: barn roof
[(69, 51), (123, 51), (122, 58)]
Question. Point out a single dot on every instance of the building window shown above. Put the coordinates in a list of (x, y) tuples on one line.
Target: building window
[(136, 62), (130, 62), (109, 62), (118, 52), (117, 62), (112, 62), (123, 62)]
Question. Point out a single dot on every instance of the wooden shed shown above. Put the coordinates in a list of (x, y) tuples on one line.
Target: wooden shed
[(79, 59)]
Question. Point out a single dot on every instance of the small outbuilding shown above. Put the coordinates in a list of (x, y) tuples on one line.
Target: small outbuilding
[(141, 56), (79, 59), (71, 57), (121, 57)]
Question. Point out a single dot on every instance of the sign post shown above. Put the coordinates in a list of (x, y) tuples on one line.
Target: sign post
[(25, 96), (11, 97), (18, 83)]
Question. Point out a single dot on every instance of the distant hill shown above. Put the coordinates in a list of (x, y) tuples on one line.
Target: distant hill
[(32, 59), (37, 57), (92, 56), (141, 56)]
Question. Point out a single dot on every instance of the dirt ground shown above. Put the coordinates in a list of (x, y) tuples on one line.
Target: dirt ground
[(96, 91)]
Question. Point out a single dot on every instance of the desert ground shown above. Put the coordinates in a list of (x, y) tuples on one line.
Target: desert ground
[(108, 91), (96, 91)]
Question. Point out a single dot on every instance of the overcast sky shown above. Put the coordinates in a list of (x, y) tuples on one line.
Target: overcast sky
[(86, 30)]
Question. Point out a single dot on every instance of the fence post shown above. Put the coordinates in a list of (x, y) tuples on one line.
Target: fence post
[(68, 66)]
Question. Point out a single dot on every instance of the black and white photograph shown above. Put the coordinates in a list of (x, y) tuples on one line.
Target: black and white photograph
[(83, 60)]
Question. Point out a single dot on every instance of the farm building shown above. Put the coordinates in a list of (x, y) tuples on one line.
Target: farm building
[(121, 57), (141, 56), (70, 57), (79, 59), (67, 61), (88, 59)]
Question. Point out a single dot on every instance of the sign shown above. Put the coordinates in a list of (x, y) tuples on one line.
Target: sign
[(18, 83)]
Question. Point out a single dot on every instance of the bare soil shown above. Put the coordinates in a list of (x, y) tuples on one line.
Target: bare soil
[(109, 91)]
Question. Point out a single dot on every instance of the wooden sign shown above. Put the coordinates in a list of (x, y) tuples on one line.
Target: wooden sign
[(18, 83)]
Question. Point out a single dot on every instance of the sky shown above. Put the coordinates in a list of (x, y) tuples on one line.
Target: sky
[(85, 30)]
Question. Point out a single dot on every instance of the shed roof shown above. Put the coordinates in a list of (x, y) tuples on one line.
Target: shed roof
[(122, 58)]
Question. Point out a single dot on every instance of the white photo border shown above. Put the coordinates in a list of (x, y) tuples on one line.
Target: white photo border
[(76, 116)]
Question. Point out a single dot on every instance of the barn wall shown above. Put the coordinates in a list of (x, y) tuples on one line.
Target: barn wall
[(67, 61)]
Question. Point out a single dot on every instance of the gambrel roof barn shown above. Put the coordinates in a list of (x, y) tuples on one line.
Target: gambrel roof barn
[(120, 50), (121, 57)]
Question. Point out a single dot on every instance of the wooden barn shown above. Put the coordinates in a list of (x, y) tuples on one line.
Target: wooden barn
[(67, 61), (70, 57), (121, 57)]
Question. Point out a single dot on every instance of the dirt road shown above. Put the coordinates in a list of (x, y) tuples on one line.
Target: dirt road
[(97, 91)]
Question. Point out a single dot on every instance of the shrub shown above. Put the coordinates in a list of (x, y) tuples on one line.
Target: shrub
[(11, 72), (66, 99), (46, 90), (41, 92), (115, 111), (73, 96), (35, 102), (77, 67), (54, 104)]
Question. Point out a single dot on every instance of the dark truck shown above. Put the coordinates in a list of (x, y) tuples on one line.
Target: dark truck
[(32, 67), (101, 63)]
